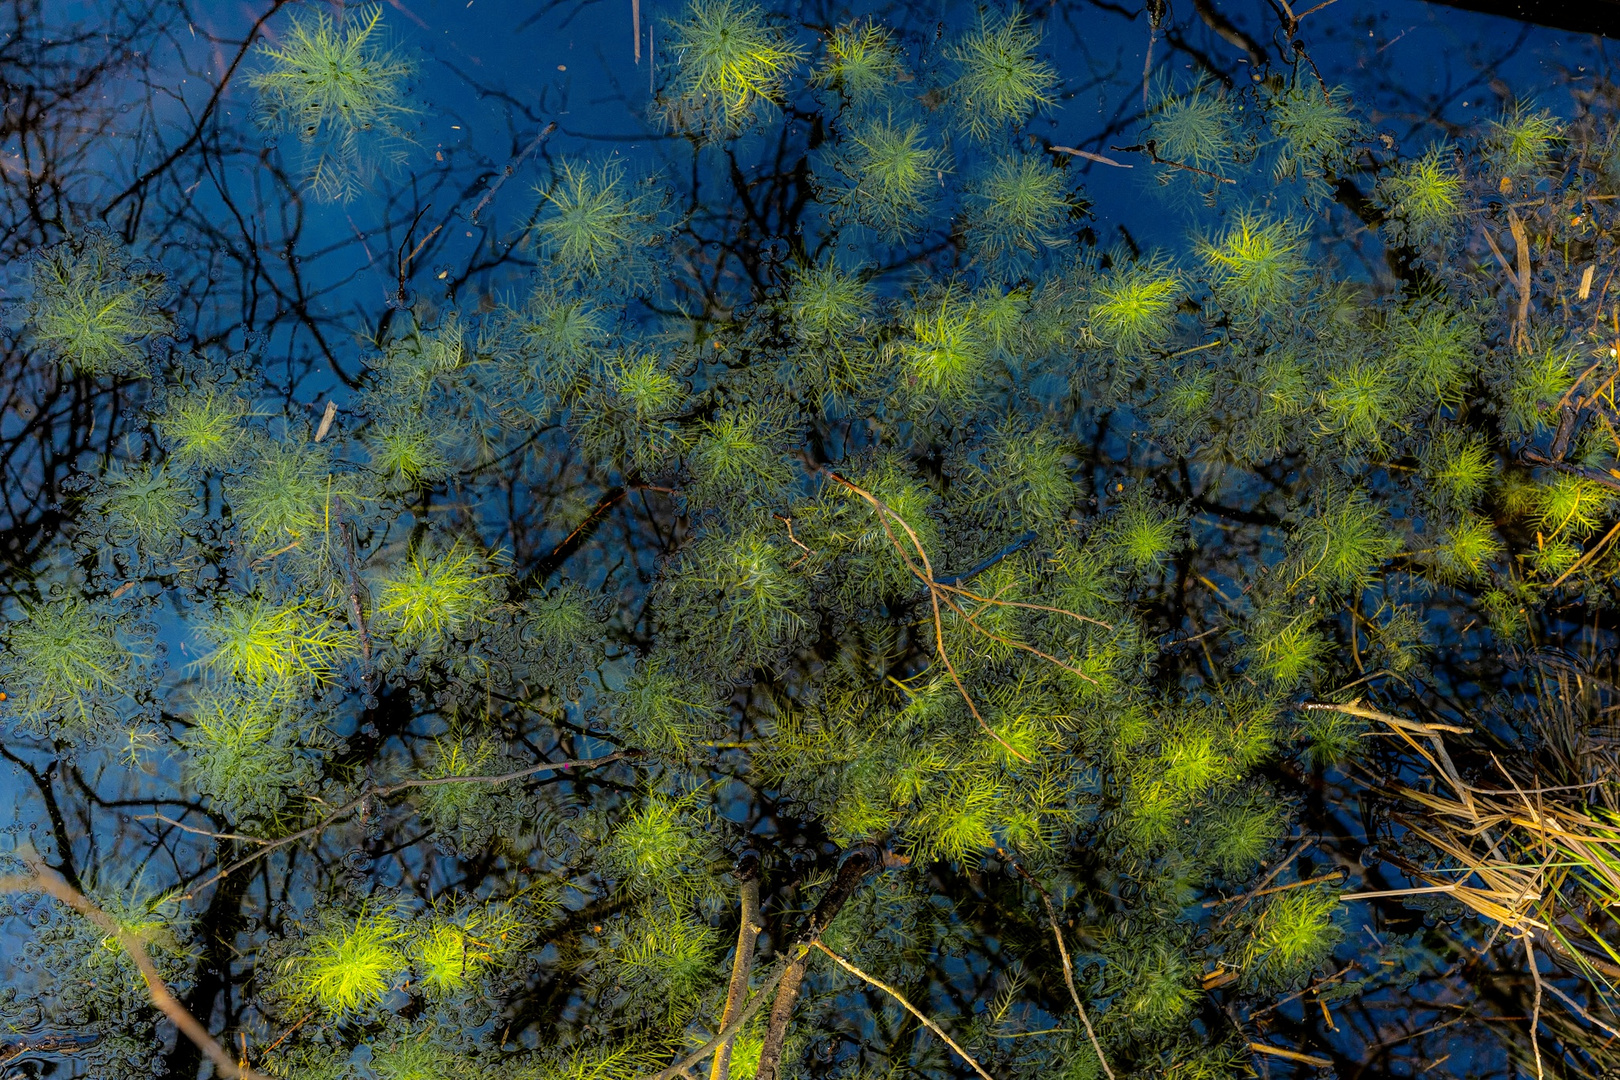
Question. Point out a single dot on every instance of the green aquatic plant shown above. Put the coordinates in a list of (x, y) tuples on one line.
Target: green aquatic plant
[(826, 302), (286, 495), (1340, 545), (672, 952), (1533, 387), (1293, 934), (749, 593), (1019, 207), (281, 648), (739, 453), (67, 663), (1316, 127), (432, 598), (406, 448), (945, 351), (1570, 504), (1255, 262), (1521, 141), (201, 428), (1287, 650), (662, 709), (1467, 548), (458, 948), (1193, 127), (1457, 468), (342, 90), (862, 63), (1243, 833), (242, 750), (93, 308), (146, 503), (1426, 193), (889, 174), (1437, 348), (873, 577), (1027, 470), (1135, 305), (595, 224), (656, 847), (999, 81), (346, 965), (1142, 533), (730, 63), (447, 805), (1154, 983), (1362, 404)]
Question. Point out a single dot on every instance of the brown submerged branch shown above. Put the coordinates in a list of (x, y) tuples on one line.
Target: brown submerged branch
[(747, 937), (45, 880)]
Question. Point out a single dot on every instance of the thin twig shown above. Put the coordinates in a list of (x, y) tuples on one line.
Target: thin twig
[(1317, 880), (201, 832), (1089, 156), (909, 1007), (1243, 901), (885, 512), (1151, 149), (1068, 968), (378, 793), (1291, 1055), (1535, 1012), (512, 166)]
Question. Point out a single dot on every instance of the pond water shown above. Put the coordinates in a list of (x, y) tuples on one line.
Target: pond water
[(140, 118)]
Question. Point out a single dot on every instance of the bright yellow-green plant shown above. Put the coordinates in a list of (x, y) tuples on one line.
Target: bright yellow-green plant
[(1135, 305), (945, 351), (1293, 933), (432, 598), (347, 964), (730, 63), (1255, 262), (457, 948), (281, 647)]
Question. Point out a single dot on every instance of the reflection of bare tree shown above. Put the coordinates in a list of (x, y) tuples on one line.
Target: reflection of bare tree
[(314, 288)]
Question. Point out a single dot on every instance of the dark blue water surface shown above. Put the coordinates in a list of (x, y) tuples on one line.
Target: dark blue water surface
[(170, 158)]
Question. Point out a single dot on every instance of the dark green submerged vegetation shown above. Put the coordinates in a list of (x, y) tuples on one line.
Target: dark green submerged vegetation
[(1043, 631)]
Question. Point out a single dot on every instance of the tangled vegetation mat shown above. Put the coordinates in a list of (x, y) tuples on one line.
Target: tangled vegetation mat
[(625, 542)]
